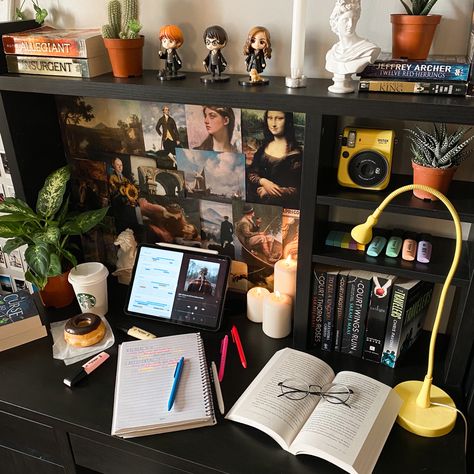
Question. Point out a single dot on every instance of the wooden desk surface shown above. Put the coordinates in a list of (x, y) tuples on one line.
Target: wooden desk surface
[(31, 386)]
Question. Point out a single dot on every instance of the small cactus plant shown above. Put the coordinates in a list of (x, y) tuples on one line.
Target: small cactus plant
[(123, 20)]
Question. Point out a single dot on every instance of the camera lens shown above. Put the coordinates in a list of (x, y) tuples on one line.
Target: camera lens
[(368, 168)]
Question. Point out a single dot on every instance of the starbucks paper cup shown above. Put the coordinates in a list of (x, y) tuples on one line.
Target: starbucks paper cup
[(89, 281)]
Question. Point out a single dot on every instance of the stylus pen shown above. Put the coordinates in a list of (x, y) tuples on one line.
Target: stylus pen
[(217, 386), (224, 345), (236, 339), (176, 377)]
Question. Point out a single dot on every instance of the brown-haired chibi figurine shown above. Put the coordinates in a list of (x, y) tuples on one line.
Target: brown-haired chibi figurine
[(257, 49), (171, 38), (215, 38)]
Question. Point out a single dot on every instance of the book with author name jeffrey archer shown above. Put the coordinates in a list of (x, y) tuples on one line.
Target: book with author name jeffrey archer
[(351, 438)]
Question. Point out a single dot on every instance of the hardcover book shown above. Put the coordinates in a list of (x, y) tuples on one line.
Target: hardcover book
[(53, 66), (49, 41), (351, 438), (329, 309), (317, 302), (340, 307), (356, 307), (408, 87), (470, 57), (410, 301), (377, 316)]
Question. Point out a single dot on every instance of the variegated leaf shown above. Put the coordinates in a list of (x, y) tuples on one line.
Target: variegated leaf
[(16, 206), (84, 221), (54, 265), (39, 282), (12, 244), (37, 258), (9, 229), (51, 194), (69, 257), (51, 235)]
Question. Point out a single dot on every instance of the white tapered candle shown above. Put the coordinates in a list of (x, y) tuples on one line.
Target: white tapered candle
[(298, 38)]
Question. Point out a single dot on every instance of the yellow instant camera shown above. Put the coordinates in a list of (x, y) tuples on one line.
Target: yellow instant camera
[(365, 160)]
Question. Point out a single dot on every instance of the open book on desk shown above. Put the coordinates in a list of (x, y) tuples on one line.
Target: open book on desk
[(350, 437), (145, 373)]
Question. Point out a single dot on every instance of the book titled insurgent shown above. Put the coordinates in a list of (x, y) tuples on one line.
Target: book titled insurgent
[(350, 437)]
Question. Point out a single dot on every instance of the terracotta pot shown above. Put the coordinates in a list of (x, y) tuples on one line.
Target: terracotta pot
[(58, 292), (126, 56), (437, 178), (412, 35)]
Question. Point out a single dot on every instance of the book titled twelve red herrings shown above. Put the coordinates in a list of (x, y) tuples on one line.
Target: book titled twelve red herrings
[(53, 42)]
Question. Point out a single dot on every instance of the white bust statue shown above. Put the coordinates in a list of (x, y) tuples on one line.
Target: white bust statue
[(351, 53), (126, 253)]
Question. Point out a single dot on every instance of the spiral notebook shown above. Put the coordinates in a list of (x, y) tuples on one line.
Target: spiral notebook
[(145, 371)]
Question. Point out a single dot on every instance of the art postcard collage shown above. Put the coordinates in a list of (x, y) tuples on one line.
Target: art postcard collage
[(205, 176)]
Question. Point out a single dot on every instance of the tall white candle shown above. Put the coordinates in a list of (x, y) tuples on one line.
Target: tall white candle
[(277, 309), (298, 38), (285, 276), (255, 297)]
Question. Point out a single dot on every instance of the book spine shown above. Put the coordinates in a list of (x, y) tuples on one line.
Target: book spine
[(48, 66), (357, 302), (415, 71), (377, 319), (339, 311), (328, 314), (317, 307), (407, 87), (44, 46)]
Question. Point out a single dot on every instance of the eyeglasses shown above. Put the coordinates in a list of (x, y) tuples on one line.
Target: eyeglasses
[(297, 389)]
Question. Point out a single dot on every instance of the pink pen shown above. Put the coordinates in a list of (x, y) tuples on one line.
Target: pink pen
[(224, 344)]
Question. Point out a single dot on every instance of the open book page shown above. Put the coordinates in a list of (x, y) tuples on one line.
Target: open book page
[(340, 434), (145, 371), (260, 406)]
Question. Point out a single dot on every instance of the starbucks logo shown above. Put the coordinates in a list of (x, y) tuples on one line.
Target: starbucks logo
[(86, 301)]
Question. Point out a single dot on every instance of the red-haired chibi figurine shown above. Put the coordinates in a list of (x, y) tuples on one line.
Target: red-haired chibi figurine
[(257, 49), (171, 38), (215, 38)]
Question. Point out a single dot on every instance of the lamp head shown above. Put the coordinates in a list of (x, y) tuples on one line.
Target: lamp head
[(362, 233)]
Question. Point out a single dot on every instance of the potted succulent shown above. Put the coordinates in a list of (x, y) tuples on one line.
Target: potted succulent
[(122, 39), (413, 32), (46, 233), (436, 156)]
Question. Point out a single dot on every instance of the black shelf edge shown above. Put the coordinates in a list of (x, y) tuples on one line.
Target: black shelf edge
[(435, 271), (276, 94), (459, 194)]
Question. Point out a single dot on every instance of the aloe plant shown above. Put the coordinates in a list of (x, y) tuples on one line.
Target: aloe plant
[(439, 149), (419, 7), (46, 232), (123, 20)]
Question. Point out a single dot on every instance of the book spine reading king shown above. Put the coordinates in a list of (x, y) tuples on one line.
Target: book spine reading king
[(408, 87)]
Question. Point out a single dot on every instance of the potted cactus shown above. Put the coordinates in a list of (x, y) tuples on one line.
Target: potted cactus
[(122, 39), (436, 156), (413, 32)]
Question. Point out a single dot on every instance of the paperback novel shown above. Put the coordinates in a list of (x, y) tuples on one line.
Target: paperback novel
[(317, 309), (340, 306), (329, 309), (409, 87)]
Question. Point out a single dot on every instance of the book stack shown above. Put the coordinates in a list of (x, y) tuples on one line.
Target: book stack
[(369, 315), (439, 74), (19, 320), (57, 52)]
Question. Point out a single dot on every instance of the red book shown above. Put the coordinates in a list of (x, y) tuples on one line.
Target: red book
[(49, 41)]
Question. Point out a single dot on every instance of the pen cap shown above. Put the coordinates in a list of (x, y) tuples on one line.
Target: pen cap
[(424, 238)]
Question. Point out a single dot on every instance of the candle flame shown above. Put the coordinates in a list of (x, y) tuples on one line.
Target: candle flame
[(288, 260), (277, 294), (259, 291)]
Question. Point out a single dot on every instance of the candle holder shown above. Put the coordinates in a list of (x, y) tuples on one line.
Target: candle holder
[(295, 82)]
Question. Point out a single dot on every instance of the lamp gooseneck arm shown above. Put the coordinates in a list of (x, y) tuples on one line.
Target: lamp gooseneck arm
[(423, 399)]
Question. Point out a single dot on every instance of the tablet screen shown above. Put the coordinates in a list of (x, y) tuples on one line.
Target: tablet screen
[(178, 286)]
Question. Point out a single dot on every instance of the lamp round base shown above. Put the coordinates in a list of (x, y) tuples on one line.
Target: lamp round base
[(430, 422)]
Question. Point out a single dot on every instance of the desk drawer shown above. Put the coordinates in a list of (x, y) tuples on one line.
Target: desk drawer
[(14, 462), (29, 437)]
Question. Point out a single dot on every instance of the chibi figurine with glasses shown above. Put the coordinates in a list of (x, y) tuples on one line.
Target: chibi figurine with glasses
[(171, 38), (215, 38), (257, 49)]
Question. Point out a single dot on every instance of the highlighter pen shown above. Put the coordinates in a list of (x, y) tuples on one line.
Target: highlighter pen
[(137, 333), (86, 369)]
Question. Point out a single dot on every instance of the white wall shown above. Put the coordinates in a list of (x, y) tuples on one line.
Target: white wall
[(238, 16)]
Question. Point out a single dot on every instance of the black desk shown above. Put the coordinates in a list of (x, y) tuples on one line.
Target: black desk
[(45, 427)]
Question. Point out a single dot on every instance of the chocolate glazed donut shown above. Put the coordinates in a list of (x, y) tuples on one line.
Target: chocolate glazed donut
[(84, 330)]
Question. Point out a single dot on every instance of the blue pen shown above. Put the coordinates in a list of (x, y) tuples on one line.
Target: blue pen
[(176, 377)]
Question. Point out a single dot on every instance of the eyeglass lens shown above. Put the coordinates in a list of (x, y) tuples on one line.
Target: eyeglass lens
[(297, 389)]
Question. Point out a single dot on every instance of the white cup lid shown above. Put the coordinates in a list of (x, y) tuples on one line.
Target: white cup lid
[(88, 273)]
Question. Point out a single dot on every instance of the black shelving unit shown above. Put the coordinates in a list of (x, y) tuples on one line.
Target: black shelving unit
[(33, 144)]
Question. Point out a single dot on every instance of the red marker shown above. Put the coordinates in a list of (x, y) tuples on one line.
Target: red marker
[(236, 339)]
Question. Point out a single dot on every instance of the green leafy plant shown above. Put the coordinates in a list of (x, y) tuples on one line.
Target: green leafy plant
[(46, 232), (439, 149), (40, 13), (419, 7), (123, 20)]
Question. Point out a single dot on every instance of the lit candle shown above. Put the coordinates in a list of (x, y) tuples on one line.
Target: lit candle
[(277, 309), (297, 38), (255, 297), (285, 276)]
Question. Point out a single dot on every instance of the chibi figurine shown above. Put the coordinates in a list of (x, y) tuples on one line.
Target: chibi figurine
[(257, 49), (171, 38), (215, 38)]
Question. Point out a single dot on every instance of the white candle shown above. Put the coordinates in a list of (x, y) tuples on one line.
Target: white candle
[(277, 309), (297, 38), (255, 297), (285, 276)]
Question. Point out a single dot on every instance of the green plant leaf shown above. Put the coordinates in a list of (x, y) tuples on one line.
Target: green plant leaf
[(62, 214), (10, 229), (55, 267), (17, 206), (50, 235), (37, 257), (69, 257), (51, 194), (12, 244), (39, 282), (84, 222), (407, 8)]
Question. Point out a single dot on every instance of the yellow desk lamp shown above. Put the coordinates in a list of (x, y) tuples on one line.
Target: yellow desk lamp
[(418, 413)]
